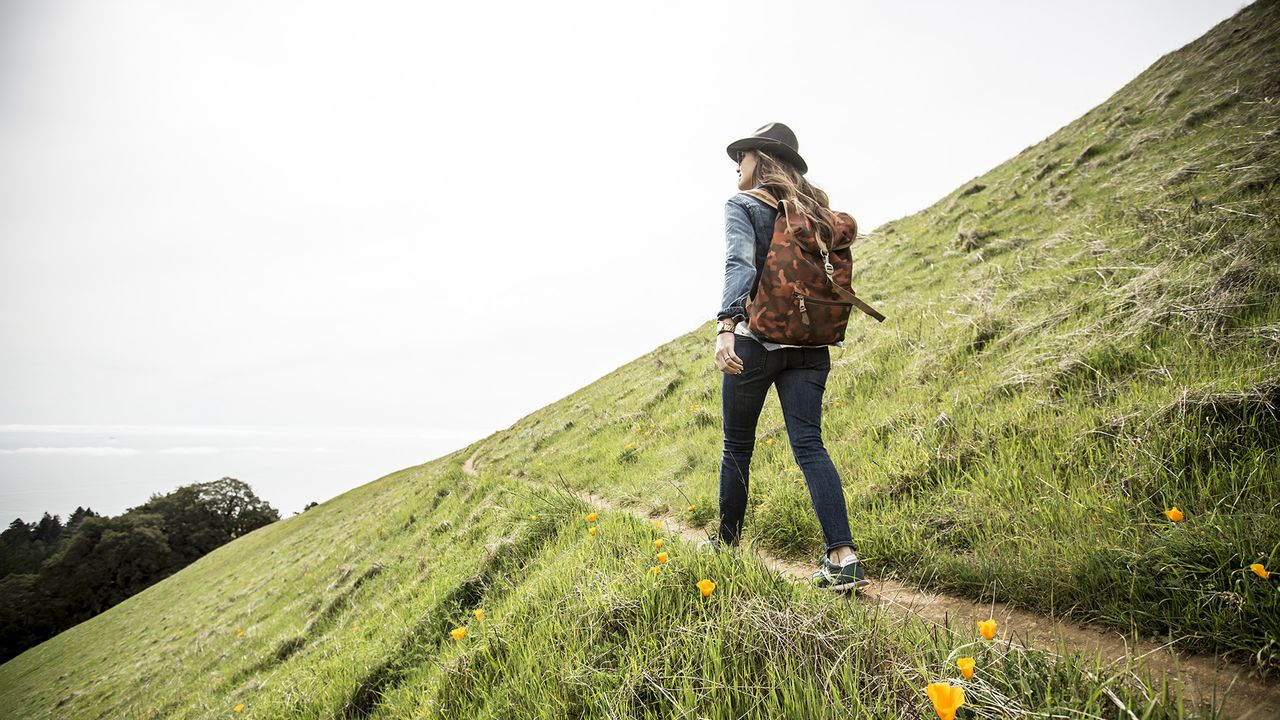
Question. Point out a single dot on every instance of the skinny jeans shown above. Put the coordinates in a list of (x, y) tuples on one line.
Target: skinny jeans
[(800, 374)]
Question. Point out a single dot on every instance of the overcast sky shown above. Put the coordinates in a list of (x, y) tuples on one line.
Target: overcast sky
[(447, 215)]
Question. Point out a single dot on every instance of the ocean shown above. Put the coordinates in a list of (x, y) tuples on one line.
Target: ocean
[(110, 468)]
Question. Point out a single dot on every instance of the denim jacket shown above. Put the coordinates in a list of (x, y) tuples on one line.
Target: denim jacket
[(748, 230)]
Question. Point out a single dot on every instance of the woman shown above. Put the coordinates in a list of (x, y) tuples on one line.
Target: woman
[(770, 160)]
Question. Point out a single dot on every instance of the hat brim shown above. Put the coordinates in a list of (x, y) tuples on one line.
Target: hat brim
[(770, 146)]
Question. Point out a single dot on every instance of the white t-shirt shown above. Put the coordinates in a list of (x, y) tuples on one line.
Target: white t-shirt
[(742, 329)]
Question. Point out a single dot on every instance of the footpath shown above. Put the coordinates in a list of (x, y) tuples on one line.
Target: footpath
[(1196, 676)]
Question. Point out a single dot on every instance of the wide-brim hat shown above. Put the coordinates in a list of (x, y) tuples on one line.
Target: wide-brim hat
[(775, 139)]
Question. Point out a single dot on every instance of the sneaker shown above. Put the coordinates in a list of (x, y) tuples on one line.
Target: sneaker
[(831, 576), (711, 545)]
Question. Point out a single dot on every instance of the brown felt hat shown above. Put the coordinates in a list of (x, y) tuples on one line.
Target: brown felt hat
[(774, 138)]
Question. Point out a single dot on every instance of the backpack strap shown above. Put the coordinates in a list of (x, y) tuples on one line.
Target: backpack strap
[(763, 196), (853, 298)]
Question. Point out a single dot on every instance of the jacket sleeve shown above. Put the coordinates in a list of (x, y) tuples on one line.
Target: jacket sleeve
[(739, 262)]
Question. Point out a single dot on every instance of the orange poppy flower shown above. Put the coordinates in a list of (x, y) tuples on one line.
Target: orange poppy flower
[(946, 699), (662, 557), (988, 629), (459, 632), (1174, 514), (706, 586), (1260, 571), (966, 666)]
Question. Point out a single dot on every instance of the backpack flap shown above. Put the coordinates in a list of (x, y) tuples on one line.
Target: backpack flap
[(835, 289)]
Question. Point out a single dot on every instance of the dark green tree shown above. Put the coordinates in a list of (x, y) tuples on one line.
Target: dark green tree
[(104, 560), (203, 516)]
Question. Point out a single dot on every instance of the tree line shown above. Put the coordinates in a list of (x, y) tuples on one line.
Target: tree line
[(55, 575)]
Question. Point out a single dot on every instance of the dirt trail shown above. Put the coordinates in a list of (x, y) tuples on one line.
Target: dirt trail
[(1198, 676)]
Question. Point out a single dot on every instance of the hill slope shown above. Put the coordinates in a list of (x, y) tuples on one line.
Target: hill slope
[(1077, 340)]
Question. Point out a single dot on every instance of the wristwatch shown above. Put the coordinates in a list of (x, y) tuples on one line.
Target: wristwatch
[(725, 325)]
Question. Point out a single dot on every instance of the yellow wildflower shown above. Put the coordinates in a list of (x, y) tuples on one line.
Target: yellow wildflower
[(1174, 514), (459, 632), (1260, 571), (695, 408), (946, 699), (662, 557), (966, 666), (658, 543), (591, 517), (238, 708), (988, 629), (769, 441), (533, 517), (690, 508), (240, 634), (479, 613), (655, 569), (592, 530), (706, 586)]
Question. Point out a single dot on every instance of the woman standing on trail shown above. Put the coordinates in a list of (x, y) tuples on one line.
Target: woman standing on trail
[(769, 160)]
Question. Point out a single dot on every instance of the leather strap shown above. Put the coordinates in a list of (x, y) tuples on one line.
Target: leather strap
[(763, 196)]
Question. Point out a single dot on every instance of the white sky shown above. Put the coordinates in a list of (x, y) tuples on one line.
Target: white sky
[(416, 214)]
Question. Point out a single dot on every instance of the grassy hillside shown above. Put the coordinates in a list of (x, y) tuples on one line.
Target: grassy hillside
[(1078, 340), (347, 610)]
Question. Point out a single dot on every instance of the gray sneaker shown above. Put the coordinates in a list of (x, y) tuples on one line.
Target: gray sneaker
[(711, 545), (831, 576)]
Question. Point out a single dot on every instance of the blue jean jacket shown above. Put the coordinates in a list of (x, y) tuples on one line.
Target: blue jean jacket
[(748, 229)]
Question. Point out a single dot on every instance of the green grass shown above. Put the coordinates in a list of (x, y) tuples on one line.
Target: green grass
[(1090, 337)]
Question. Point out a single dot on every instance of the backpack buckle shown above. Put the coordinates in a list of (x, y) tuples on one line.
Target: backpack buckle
[(826, 265)]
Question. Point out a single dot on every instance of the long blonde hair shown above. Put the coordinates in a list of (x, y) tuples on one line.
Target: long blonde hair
[(784, 182)]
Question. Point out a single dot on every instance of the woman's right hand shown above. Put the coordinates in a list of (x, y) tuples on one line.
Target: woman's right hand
[(726, 359)]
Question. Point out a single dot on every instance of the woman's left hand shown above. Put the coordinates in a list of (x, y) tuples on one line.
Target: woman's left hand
[(726, 359)]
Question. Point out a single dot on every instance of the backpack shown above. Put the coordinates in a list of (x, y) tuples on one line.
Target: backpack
[(804, 296)]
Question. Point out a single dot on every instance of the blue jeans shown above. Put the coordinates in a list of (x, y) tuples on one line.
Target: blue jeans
[(801, 377)]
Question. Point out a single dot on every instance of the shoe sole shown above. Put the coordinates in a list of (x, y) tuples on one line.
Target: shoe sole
[(853, 586)]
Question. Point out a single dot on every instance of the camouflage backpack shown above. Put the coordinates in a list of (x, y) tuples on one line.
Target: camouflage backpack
[(804, 295)]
